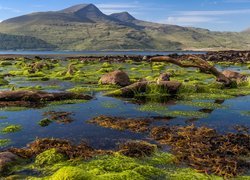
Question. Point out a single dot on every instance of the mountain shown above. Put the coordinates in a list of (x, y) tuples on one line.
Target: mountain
[(123, 16), (85, 27)]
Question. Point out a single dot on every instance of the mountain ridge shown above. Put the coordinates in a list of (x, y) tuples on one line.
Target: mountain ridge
[(85, 27)]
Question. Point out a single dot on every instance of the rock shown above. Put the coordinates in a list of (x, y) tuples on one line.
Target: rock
[(171, 86), (164, 77), (116, 78), (234, 75), (6, 159)]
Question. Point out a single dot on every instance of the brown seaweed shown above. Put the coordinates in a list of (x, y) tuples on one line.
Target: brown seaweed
[(119, 123), (206, 150)]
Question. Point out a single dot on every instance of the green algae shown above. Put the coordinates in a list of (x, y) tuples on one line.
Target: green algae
[(45, 122), (153, 107), (195, 114), (49, 157), (70, 101), (3, 117), (207, 105), (116, 166), (11, 129), (109, 105), (4, 142), (13, 108), (70, 173), (164, 111), (245, 113)]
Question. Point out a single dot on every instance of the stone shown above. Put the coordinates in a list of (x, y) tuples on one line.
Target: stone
[(6, 159), (116, 78), (171, 86), (164, 77), (234, 75)]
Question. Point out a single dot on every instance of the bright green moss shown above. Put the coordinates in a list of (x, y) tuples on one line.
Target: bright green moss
[(125, 175), (49, 157), (12, 129), (5, 63), (71, 173)]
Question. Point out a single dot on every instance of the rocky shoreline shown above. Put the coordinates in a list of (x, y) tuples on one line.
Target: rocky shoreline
[(215, 56)]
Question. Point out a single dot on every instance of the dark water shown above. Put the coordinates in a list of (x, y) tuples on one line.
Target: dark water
[(143, 53)]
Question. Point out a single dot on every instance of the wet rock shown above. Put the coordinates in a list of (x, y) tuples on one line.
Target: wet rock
[(171, 86), (6, 159), (164, 77), (116, 78), (25, 95), (234, 75)]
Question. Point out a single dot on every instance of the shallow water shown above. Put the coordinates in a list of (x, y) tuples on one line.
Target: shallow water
[(221, 119), (143, 53)]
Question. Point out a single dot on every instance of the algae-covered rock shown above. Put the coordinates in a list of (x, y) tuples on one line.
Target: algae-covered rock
[(116, 78), (49, 157), (11, 129), (164, 77), (125, 175), (71, 173)]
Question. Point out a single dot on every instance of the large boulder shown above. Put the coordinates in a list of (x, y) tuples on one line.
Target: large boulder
[(163, 77), (6, 160), (234, 75), (116, 78)]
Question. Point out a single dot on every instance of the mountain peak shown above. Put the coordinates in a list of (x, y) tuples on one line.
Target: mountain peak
[(77, 8), (123, 16)]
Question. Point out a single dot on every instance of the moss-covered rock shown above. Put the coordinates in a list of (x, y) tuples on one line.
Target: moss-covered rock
[(12, 129), (71, 173), (49, 157)]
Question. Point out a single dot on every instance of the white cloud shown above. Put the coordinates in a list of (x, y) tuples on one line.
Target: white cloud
[(187, 20), (237, 1), (2, 8), (118, 7), (213, 13)]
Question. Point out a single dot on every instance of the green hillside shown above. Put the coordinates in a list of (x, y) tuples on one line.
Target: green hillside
[(15, 42)]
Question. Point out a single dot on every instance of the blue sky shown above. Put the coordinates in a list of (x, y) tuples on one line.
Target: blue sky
[(219, 15)]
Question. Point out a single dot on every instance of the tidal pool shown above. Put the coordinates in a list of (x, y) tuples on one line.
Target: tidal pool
[(222, 115)]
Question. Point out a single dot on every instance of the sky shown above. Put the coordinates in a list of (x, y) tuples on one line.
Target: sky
[(216, 15)]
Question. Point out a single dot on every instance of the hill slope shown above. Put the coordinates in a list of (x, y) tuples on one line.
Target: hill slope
[(14, 42), (85, 27)]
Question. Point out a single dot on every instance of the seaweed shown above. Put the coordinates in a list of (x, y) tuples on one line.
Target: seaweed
[(59, 116), (206, 150), (62, 146), (137, 149), (119, 123)]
